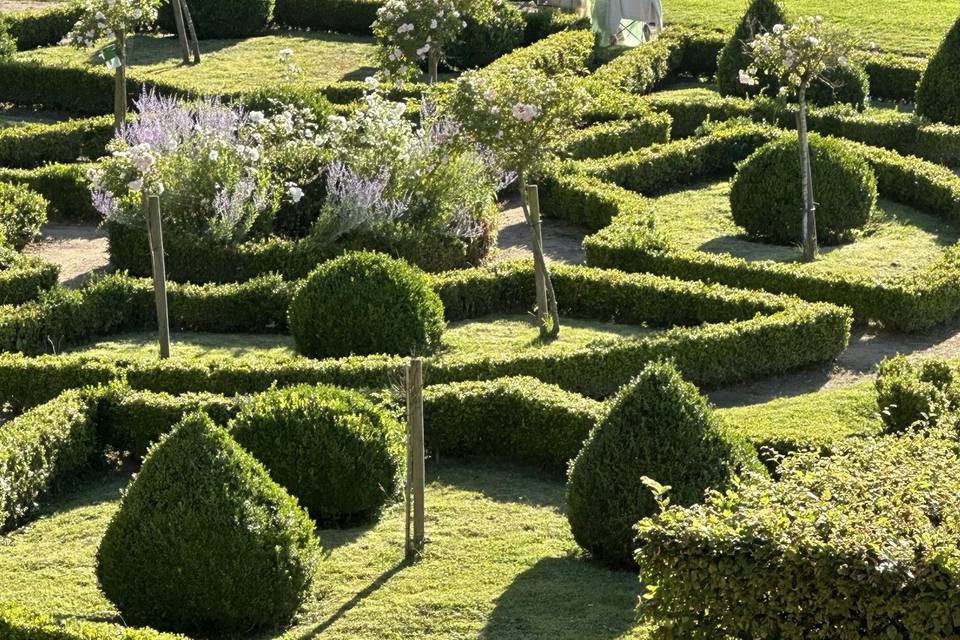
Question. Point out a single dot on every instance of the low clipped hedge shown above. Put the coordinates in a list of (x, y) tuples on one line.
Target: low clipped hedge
[(631, 243), (41, 28), (215, 19), (34, 145), (916, 394), (65, 186), (565, 51), (714, 331), (24, 278), (617, 136), (341, 16), (20, 623), (23, 212), (337, 452), (807, 556), (892, 76)]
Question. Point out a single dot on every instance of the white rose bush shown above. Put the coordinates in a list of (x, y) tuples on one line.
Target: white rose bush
[(411, 33)]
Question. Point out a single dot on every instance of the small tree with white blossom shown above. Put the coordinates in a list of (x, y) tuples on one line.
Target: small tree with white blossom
[(521, 115), (410, 32), (116, 19), (799, 55)]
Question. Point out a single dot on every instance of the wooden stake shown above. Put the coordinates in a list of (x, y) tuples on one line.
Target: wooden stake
[(194, 42), (159, 273), (181, 31), (120, 84), (416, 470)]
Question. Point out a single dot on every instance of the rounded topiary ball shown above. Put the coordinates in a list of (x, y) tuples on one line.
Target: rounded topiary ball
[(23, 213), (205, 541), (659, 427), (766, 197), (340, 454), (364, 303), (223, 18)]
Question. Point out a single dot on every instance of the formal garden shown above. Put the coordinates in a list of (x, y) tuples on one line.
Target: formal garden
[(311, 392)]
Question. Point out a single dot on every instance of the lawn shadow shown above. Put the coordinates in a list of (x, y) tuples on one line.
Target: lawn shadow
[(331, 539), (148, 50), (529, 485), (566, 598)]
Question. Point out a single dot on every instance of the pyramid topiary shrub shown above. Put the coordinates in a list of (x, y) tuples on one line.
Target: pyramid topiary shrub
[(766, 197), (660, 427), (760, 16), (364, 303), (339, 453), (938, 94), (205, 541)]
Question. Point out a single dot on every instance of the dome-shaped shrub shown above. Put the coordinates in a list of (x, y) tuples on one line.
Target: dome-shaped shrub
[(205, 541), (223, 18), (23, 212), (341, 455), (364, 303), (760, 16), (938, 94), (766, 198), (660, 427), (493, 30), (841, 85)]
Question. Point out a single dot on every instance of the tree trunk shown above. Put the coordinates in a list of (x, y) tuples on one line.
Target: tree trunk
[(548, 314), (191, 30), (806, 172), (120, 86), (181, 31), (433, 61)]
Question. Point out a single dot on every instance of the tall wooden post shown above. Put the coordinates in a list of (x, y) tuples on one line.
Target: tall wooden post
[(120, 84), (181, 31), (546, 296), (416, 469), (159, 272), (194, 42)]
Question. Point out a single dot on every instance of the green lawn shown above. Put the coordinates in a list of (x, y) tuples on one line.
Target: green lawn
[(489, 336), (500, 563), (899, 241), (894, 25), (232, 65)]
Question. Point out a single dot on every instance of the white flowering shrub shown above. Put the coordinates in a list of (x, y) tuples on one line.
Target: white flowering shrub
[(111, 18), (411, 33)]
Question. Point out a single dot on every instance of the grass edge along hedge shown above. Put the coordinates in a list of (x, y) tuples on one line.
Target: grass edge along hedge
[(20, 623), (630, 242)]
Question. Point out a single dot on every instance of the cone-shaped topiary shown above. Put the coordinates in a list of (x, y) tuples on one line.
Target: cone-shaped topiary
[(938, 94), (659, 426), (364, 303), (341, 455), (205, 541), (761, 16), (766, 197)]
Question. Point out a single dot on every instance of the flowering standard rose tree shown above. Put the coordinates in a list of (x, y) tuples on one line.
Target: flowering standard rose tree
[(799, 55), (521, 115), (410, 32), (116, 18)]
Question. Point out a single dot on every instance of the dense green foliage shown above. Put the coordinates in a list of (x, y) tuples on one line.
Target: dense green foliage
[(938, 94), (364, 303), (34, 145), (65, 186), (493, 29), (659, 427), (205, 541), (223, 18), (809, 556), (766, 197), (32, 29), (23, 212), (337, 452), (916, 394), (342, 16), (18, 623), (24, 278), (761, 16)]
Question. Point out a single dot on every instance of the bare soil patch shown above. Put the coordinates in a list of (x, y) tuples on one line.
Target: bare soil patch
[(77, 249)]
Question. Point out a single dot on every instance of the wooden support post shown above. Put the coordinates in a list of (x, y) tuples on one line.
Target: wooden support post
[(416, 469), (181, 31), (532, 199), (159, 272), (120, 85), (194, 42)]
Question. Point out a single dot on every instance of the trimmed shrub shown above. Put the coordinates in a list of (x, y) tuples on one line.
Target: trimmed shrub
[(19, 623), (65, 186), (841, 85), (861, 545), (8, 46), (618, 136), (493, 29), (337, 452), (546, 21), (938, 94), (24, 278), (33, 145), (766, 196), (223, 18), (342, 16), (364, 303), (892, 76), (659, 427), (911, 394), (760, 16), (205, 541), (562, 52), (22, 213), (33, 29)]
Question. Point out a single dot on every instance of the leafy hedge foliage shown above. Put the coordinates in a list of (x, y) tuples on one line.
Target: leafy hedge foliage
[(911, 394), (223, 18), (547, 20), (364, 303), (658, 427), (42, 449), (938, 94), (892, 76), (33, 145), (766, 196), (24, 278), (493, 29), (65, 186), (337, 452), (618, 136), (760, 17), (174, 558), (342, 16), (46, 27), (23, 212), (565, 51), (807, 556), (519, 418), (19, 623)]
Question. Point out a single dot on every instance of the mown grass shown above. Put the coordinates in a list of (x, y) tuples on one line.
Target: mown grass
[(489, 336), (500, 563), (898, 241), (894, 25), (231, 65)]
